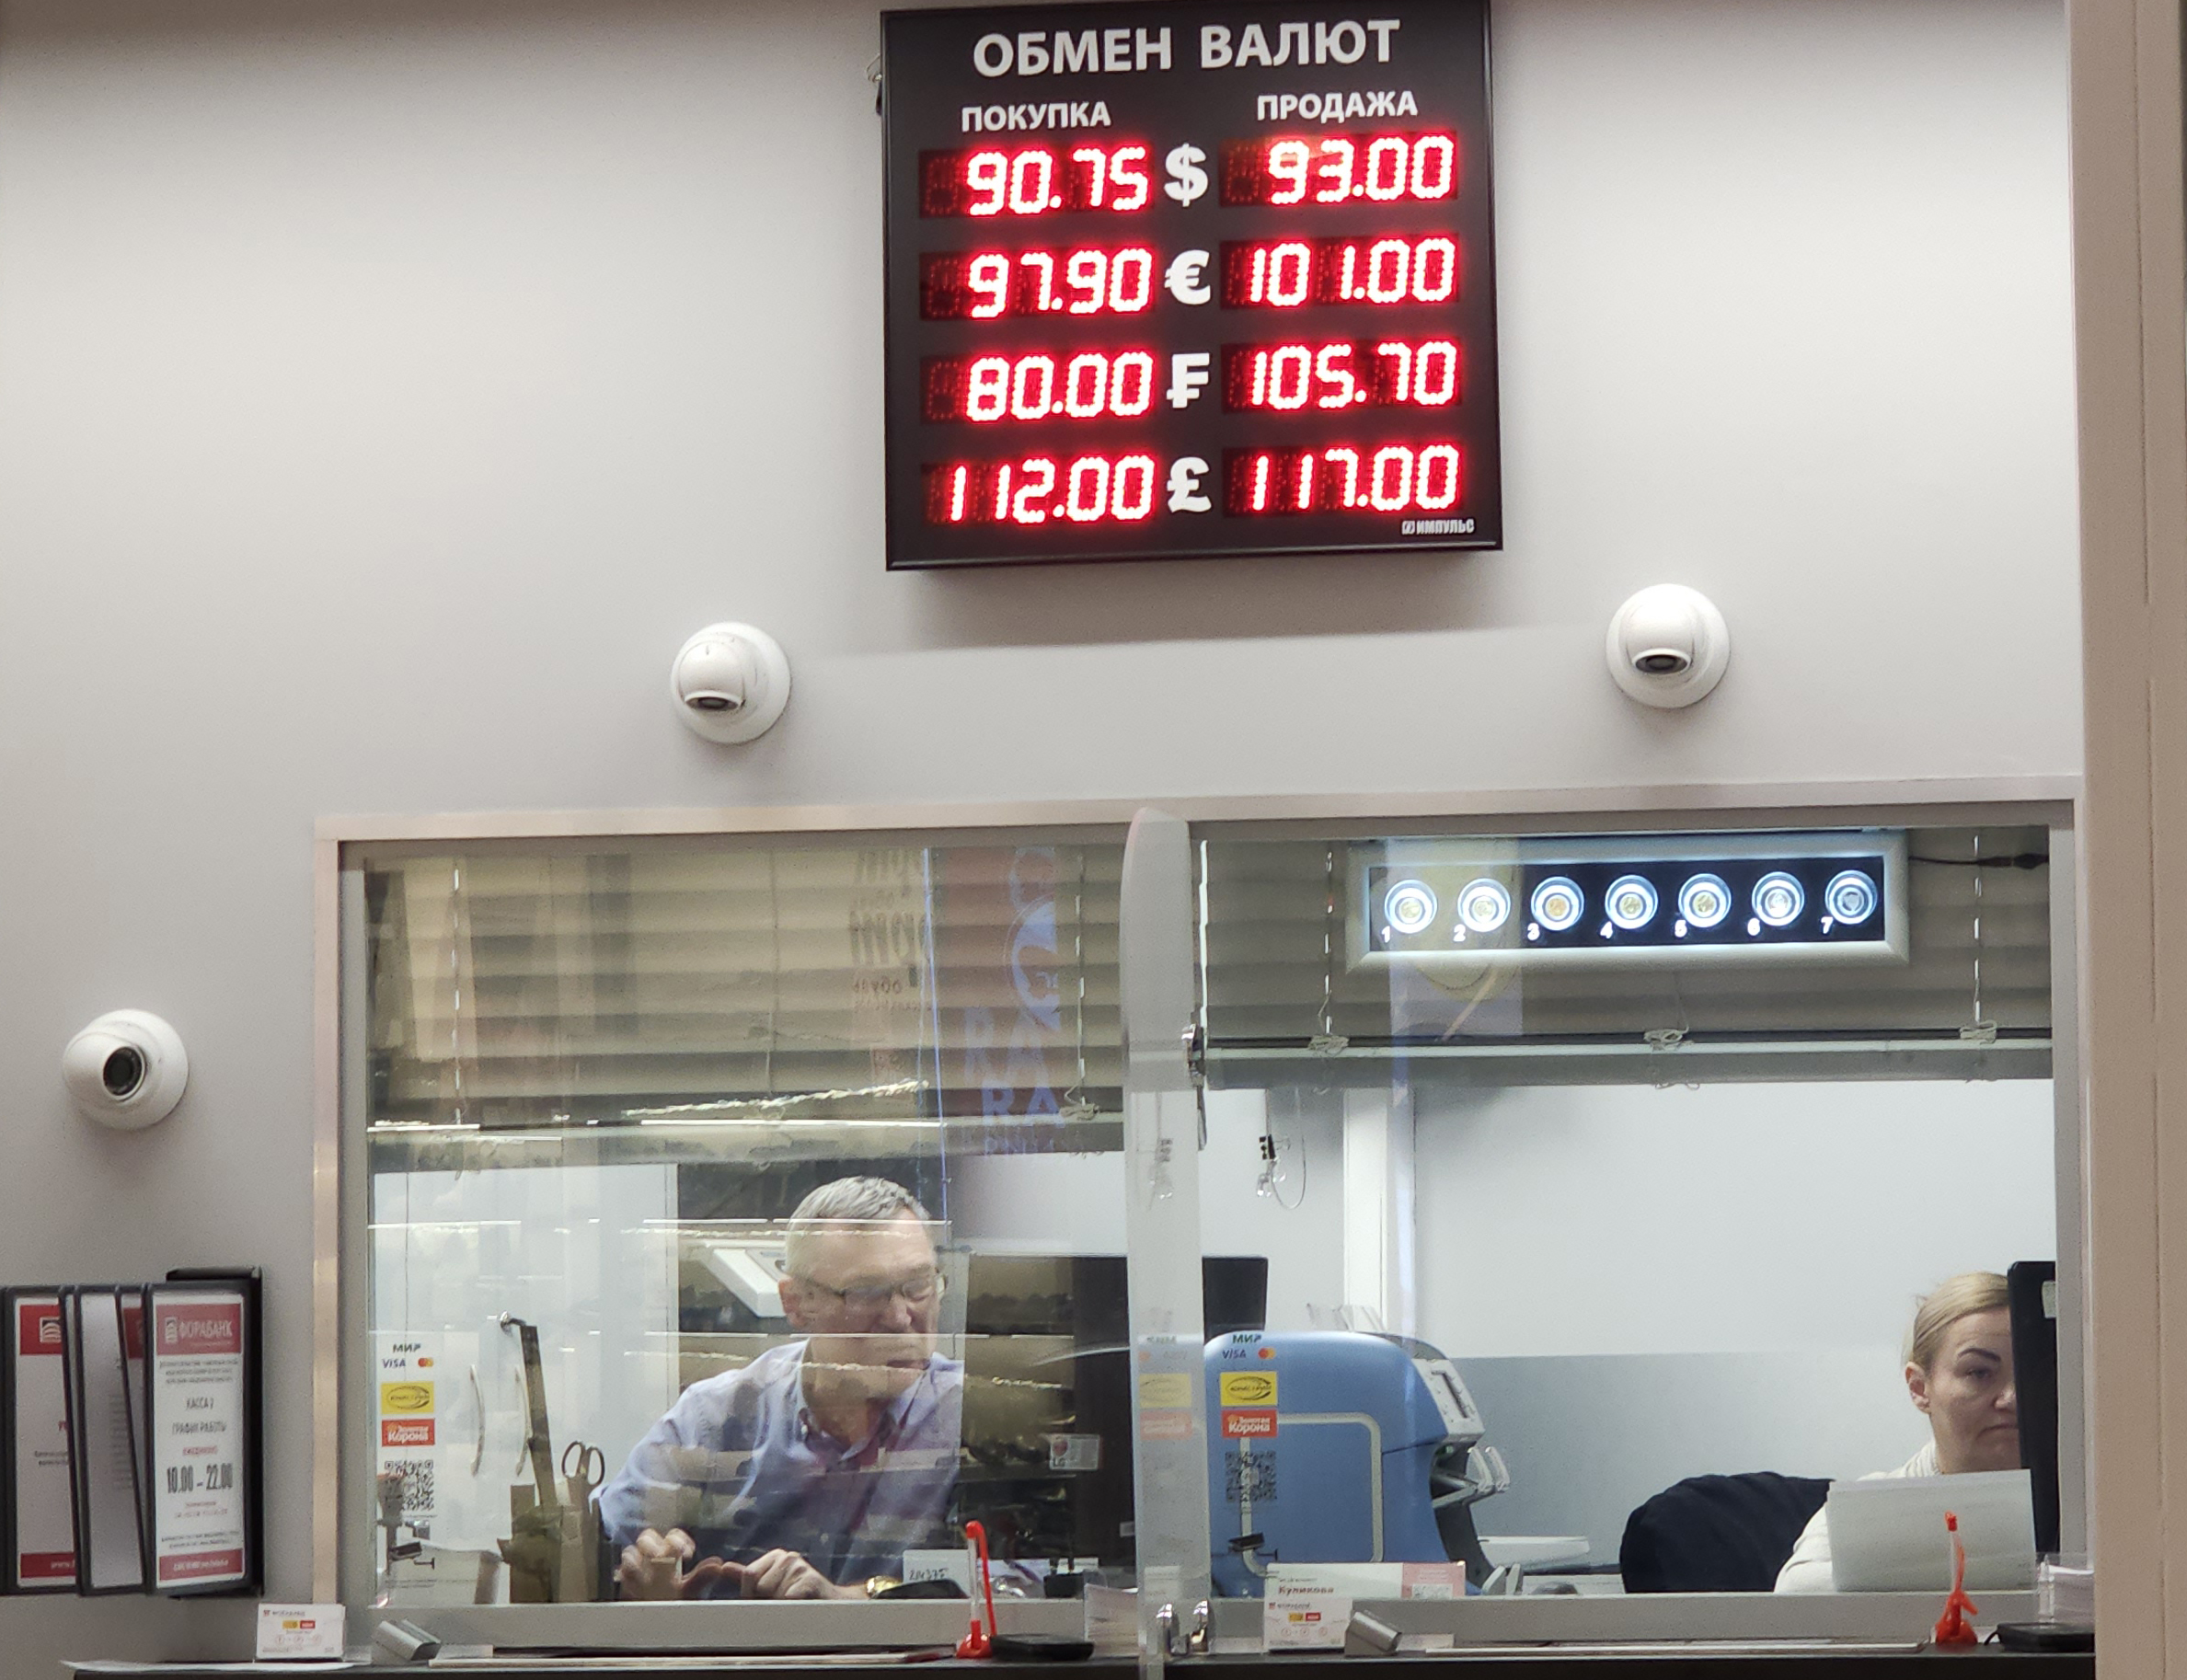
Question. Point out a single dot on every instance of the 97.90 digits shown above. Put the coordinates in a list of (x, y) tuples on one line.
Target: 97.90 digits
[(1084, 280)]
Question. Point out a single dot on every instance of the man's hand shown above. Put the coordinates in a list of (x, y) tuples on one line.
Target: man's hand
[(783, 1574), (652, 1566)]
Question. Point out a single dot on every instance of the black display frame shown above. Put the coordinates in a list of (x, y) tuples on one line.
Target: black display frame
[(1439, 57)]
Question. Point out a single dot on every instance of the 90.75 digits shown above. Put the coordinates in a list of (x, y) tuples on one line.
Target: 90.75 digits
[(1034, 181)]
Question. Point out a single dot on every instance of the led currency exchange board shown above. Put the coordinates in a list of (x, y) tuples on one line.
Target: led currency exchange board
[(1179, 281)]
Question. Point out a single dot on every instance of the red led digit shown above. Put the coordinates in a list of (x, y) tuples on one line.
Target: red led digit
[(984, 390), (1287, 273), (1033, 181), (1348, 460), (1087, 273), (1379, 372), (1134, 496), (1097, 165), (1087, 490), (1131, 385), (1396, 478), (1132, 182), (1039, 478), (986, 285), (1131, 279), (1338, 387), (983, 173), (1336, 169), (1438, 258), (1434, 166)]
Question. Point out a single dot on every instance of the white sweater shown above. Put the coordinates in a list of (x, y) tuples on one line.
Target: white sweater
[(1807, 1569)]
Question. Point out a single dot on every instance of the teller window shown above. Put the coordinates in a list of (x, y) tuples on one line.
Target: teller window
[(1601, 1179), (686, 1225)]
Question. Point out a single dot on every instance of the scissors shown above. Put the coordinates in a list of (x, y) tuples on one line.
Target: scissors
[(586, 1467)]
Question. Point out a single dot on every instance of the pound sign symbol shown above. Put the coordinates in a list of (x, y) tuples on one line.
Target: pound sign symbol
[(1188, 181), (1184, 486)]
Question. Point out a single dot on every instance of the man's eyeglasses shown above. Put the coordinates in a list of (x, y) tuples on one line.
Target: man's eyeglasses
[(871, 1299)]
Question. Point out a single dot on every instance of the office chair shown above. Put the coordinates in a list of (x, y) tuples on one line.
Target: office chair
[(1718, 1534)]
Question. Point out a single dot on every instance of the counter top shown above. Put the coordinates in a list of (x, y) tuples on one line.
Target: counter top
[(1668, 1660)]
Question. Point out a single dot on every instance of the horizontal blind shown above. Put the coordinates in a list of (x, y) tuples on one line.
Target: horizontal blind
[(810, 981), (1276, 972)]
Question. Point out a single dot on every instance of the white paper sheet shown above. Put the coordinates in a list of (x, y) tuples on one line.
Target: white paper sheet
[(1888, 1534), (112, 1541), (201, 1454)]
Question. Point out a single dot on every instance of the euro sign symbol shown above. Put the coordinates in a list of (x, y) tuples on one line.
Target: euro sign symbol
[(1188, 181)]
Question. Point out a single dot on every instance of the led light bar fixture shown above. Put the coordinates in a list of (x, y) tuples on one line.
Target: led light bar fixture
[(1642, 898)]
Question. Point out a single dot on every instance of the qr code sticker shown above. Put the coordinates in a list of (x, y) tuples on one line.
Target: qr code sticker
[(1248, 1476), (416, 1481)]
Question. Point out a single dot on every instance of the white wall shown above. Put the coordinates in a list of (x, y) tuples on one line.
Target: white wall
[(388, 386), (1643, 1285)]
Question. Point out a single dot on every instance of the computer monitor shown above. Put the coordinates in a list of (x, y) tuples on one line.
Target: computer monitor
[(1047, 1399), (2031, 1295)]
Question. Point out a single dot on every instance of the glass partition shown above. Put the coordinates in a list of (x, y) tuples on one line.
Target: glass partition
[(1600, 1177), (1536, 1217), (698, 1175)]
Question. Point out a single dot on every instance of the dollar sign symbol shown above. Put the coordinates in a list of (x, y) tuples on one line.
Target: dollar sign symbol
[(1188, 181)]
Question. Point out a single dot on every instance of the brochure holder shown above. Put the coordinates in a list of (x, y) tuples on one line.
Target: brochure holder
[(134, 1448)]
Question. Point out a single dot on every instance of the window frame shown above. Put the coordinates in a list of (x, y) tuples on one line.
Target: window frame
[(341, 1471)]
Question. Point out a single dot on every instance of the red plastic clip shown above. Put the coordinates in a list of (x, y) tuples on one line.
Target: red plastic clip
[(980, 1641), (1953, 1626)]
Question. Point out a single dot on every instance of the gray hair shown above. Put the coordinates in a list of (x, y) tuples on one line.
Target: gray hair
[(845, 1202)]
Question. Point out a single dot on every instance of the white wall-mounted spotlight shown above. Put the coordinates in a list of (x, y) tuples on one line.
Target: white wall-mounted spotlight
[(126, 1070), (731, 682), (1668, 645)]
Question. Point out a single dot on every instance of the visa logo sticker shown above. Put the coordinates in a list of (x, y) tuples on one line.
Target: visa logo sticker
[(1248, 1387)]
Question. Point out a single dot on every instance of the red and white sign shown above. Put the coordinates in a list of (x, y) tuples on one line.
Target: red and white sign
[(406, 1432), (199, 1330), (201, 1451), (1249, 1423)]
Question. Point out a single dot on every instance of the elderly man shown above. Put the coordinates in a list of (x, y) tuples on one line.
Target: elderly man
[(806, 1474)]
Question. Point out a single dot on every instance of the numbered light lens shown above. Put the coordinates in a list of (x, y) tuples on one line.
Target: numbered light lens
[(1851, 896), (1704, 900), (1558, 904), (1630, 901), (1408, 907), (1484, 905), (1778, 899)]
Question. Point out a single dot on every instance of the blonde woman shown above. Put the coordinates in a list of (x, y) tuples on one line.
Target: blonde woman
[(1959, 1374)]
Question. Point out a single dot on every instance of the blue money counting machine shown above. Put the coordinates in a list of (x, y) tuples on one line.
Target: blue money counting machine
[(1335, 1446)]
